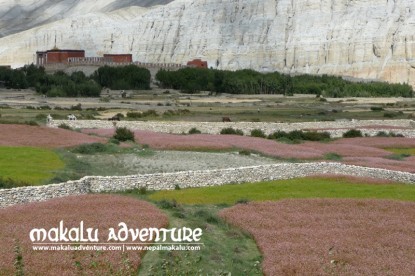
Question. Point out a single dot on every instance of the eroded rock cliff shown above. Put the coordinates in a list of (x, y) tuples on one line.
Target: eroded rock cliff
[(369, 39)]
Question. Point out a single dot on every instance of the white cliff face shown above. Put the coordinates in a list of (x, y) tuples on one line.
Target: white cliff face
[(369, 39)]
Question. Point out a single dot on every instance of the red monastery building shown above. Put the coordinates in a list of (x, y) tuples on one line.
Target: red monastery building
[(57, 56), (119, 58), (198, 63)]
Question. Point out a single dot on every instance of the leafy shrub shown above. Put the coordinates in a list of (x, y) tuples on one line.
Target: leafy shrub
[(392, 114), (166, 204), (40, 117), (91, 148), (352, 133), (316, 136), (142, 190), (207, 216), (31, 123), (398, 157), (333, 156), (64, 126), (389, 134), (194, 131), (113, 141), (244, 152), (242, 201), (8, 183), (177, 187), (382, 134), (124, 134), (136, 115), (298, 135), (76, 107), (258, 133), (231, 131), (376, 108)]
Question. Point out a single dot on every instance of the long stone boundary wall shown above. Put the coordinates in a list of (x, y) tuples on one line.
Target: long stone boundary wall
[(335, 128), (187, 179)]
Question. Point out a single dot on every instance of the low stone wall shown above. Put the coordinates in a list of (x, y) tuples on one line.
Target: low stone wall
[(41, 193), (168, 181), (396, 126)]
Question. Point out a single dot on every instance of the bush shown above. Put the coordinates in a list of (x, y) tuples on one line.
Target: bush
[(147, 113), (376, 108), (316, 136), (166, 204), (31, 123), (242, 201), (392, 114), (244, 152), (8, 183), (258, 133), (390, 134), (194, 131), (77, 107), (333, 156), (113, 141), (64, 126), (91, 148), (231, 131), (124, 134), (352, 133), (298, 135)]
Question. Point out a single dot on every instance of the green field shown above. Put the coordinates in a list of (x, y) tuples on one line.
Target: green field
[(31, 165), (292, 188)]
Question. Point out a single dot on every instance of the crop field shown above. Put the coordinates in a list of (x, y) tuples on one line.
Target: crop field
[(320, 225), (29, 165), (367, 151), (330, 236), (34, 136), (310, 187), (98, 211)]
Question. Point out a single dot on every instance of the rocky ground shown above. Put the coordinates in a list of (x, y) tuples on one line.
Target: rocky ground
[(170, 161)]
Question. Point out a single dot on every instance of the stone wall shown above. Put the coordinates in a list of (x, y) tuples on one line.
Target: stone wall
[(186, 179), (336, 128)]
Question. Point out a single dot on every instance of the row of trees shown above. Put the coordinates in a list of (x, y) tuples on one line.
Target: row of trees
[(77, 84), (191, 80)]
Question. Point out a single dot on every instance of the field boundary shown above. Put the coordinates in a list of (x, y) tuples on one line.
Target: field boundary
[(188, 179)]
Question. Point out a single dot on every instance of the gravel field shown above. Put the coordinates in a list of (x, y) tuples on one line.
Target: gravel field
[(171, 161)]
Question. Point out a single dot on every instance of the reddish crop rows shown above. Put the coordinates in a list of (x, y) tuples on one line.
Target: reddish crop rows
[(24, 135), (331, 236), (97, 211)]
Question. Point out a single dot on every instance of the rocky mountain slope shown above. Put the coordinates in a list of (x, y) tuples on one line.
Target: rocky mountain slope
[(369, 39), (20, 15)]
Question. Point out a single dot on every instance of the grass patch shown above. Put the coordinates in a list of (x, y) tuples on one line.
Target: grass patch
[(333, 156), (292, 188), (398, 157), (30, 165), (226, 250), (409, 151)]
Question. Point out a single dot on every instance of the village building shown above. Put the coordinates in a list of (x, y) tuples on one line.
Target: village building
[(57, 56), (197, 63)]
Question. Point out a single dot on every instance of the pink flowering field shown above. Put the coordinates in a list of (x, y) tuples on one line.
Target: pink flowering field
[(330, 236), (97, 211), (34, 136), (366, 151)]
